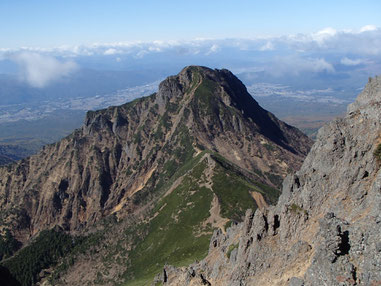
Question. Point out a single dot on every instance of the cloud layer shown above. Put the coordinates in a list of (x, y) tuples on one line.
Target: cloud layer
[(326, 51), (39, 70), (366, 40)]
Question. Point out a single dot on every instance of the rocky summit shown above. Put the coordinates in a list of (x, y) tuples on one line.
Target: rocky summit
[(326, 227), (144, 184)]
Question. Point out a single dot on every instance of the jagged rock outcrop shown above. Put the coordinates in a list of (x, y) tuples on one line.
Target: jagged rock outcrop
[(326, 227)]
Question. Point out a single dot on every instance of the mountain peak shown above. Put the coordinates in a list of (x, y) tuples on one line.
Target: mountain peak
[(191, 77), (212, 92), (198, 109), (195, 154), (203, 71)]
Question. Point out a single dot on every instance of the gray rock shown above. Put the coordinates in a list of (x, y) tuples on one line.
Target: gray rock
[(294, 281)]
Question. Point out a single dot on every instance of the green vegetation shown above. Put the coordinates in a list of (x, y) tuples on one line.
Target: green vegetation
[(377, 153), (233, 190), (182, 154), (8, 245), (294, 208), (50, 248), (42, 253), (269, 147), (204, 94), (138, 138), (81, 245), (132, 103), (228, 224), (275, 179), (231, 248), (180, 159), (270, 193), (165, 121), (175, 234), (233, 194), (196, 77)]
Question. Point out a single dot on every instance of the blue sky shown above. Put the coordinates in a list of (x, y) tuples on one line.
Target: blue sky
[(49, 23)]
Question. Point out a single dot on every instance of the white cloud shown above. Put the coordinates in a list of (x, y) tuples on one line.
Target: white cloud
[(110, 51), (368, 28), (364, 41), (214, 48), (154, 49), (349, 62), (267, 47), (295, 65), (39, 70), (291, 54), (324, 34), (141, 54), (316, 65)]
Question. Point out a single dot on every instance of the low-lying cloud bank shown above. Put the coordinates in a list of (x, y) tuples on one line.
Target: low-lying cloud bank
[(325, 51), (366, 41)]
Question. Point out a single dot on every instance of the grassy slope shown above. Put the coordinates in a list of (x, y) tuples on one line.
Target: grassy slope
[(174, 233), (171, 232)]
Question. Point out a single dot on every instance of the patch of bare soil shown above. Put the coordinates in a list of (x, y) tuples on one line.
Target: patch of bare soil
[(259, 200)]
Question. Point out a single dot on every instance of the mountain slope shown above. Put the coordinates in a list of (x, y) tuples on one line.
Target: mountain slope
[(197, 154), (325, 229)]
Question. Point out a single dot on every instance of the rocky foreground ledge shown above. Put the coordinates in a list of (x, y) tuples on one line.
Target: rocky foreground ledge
[(326, 227)]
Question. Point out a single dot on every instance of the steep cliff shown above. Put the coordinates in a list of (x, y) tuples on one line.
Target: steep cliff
[(326, 227)]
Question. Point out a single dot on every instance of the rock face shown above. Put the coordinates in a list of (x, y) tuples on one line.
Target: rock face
[(326, 227), (115, 162)]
